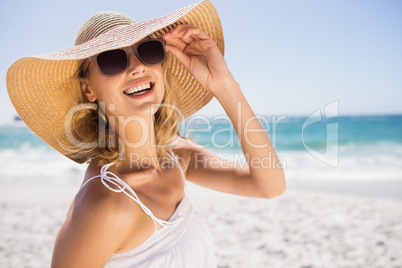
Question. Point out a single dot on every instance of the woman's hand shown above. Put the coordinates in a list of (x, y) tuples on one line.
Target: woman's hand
[(201, 56)]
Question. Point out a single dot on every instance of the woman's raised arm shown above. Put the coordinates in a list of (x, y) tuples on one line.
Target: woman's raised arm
[(263, 177)]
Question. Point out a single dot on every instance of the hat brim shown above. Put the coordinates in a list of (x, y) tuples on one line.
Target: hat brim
[(43, 89)]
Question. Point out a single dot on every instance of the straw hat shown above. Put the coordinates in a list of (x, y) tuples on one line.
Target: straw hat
[(43, 89)]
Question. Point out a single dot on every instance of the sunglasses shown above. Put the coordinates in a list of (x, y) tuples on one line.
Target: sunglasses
[(113, 62)]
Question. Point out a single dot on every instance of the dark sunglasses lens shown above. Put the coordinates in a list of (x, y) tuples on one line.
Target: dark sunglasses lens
[(112, 62), (151, 52)]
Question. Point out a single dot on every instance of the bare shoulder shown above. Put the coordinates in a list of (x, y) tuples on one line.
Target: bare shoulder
[(95, 200), (96, 227)]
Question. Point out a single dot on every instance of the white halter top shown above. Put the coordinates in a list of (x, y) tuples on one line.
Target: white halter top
[(183, 241)]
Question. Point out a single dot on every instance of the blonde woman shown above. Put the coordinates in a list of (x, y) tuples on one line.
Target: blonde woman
[(115, 100)]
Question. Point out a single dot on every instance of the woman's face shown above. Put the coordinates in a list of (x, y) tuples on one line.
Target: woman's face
[(138, 90)]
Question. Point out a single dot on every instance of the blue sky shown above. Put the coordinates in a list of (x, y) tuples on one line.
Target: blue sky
[(290, 57)]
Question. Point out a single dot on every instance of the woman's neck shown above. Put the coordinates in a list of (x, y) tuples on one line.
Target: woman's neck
[(137, 134)]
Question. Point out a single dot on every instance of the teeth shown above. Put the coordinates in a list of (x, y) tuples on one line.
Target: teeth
[(138, 88), (142, 92)]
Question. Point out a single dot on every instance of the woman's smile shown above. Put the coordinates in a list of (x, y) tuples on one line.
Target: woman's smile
[(139, 89)]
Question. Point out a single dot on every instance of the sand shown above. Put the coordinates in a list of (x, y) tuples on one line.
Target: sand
[(298, 229)]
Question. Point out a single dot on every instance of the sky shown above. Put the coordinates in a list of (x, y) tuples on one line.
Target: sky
[(290, 57)]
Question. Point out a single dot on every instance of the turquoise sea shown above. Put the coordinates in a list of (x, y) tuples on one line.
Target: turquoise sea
[(345, 148)]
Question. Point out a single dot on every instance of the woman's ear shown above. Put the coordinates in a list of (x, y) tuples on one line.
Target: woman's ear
[(86, 90)]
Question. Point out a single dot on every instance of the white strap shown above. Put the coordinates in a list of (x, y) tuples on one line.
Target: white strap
[(174, 158), (110, 177)]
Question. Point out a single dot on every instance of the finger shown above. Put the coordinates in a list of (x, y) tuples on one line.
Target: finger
[(176, 42), (181, 28), (184, 32), (195, 33), (178, 35), (187, 35), (183, 58)]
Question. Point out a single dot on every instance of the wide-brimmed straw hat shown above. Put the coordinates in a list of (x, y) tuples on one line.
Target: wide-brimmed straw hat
[(43, 89)]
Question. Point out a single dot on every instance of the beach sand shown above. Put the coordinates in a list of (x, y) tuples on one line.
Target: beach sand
[(302, 228)]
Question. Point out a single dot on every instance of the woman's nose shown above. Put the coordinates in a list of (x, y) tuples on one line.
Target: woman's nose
[(135, 66)]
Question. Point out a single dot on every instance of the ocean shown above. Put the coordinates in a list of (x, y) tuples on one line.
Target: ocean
[(345, 148)]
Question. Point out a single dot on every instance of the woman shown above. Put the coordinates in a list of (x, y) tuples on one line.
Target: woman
[(115, 101)]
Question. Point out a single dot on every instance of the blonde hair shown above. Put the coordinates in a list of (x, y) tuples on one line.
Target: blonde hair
[(89, 126)]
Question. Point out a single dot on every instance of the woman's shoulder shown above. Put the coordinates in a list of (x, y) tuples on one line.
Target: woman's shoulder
[(97, 225), (95, 197), (96, 206)]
